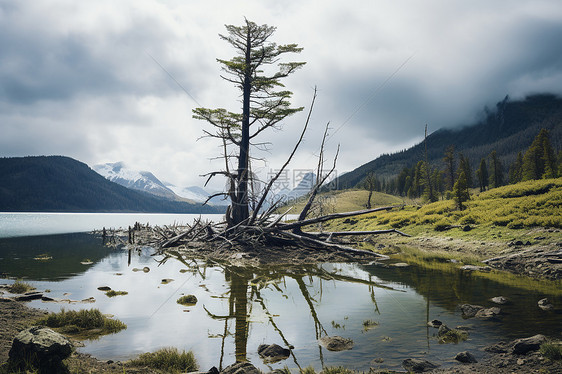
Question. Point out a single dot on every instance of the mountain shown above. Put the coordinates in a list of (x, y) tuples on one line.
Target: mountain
[(198, 194), (62, 184), (137, 180), (508, 129)]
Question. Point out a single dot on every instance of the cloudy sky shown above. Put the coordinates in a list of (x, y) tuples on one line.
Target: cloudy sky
[(99, 81)]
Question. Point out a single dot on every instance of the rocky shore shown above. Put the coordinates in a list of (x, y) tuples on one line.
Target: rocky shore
[(518, 356)]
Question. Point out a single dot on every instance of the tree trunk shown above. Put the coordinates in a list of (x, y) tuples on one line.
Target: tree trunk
[(240, 209)]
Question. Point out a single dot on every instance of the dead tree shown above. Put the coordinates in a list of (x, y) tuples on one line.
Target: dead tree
[(264, 106)]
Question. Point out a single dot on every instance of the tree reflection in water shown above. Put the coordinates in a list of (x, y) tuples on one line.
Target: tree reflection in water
[(246, 286)]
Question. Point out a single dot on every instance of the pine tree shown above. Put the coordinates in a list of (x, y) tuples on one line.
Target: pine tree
[(516, 170), (257, 72), (482, 175), (460, 191), (539, 160), (496, 170), (449, 160), (464, 165)]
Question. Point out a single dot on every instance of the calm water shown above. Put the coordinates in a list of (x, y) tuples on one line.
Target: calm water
[(26, 224), (241, 308)]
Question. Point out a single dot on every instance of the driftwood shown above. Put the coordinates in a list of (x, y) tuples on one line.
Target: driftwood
[(269, 232)]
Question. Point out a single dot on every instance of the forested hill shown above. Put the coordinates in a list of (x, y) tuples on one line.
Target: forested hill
[(508, 129), (62, 184)]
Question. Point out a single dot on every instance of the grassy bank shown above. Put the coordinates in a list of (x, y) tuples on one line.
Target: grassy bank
[(522, 211)]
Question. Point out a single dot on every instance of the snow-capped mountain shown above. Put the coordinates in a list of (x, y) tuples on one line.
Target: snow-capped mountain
[(145, 181)]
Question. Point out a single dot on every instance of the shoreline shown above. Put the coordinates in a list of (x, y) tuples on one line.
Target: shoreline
[(17, 315)]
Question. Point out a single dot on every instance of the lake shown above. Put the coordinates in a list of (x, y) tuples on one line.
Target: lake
[(240, 308), (27, 224)]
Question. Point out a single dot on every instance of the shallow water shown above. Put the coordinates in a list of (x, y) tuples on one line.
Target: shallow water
[(240, 308), (26, 224)]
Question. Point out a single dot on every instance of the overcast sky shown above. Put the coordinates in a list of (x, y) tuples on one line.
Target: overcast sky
[(96, 80)]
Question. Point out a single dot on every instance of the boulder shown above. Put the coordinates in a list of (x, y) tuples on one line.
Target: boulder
[(418, 366), (525, 345), (465, 357), (336, 343), (28, 296), (39, 347), (469, 310), (443, 329), (545, 304), (435, 323), (488, 313), (499, 300), (240, 368), (273, 353)]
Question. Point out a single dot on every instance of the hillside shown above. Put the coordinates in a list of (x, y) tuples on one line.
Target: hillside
[(508, 129), (519, 225), (62, 184)]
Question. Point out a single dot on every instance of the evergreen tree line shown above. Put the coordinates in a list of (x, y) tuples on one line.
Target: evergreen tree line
[(423, 181)]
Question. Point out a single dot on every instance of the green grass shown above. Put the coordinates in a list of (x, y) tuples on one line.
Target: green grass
[(453, 336), (347, 201), (83, 323), (19, 287), (169, 360), (113, 293), (499, 215), (187, 300), (552, 351)]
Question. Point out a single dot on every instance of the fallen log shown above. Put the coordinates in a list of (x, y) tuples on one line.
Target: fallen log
[(350, 233), (329, 217), (327, 245)]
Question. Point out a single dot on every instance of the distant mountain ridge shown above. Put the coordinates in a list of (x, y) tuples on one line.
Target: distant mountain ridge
[(62, 184), (508, 129), (137, 180)]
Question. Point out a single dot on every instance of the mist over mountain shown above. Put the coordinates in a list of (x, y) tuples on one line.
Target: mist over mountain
[(508, 128)]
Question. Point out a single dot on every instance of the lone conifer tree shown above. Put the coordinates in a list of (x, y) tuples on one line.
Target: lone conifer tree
[(264, 104), (460, 191)]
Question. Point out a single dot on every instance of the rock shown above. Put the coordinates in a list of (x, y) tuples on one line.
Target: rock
[(488, 313), (443, 329), (497, 348), (400, 265), (475, 268), (146, 269), (105, 288), (435, 323), (499, 300), (418, 366), (273, 353), (28, 296), (545, 304), (525, 345), (39, 347), (469, 310), (240, 368), (167, 280), (465, 357), (336, 343)]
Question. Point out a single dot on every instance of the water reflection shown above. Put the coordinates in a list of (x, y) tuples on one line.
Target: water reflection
[(50, 257), (240, 308)]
